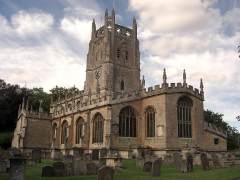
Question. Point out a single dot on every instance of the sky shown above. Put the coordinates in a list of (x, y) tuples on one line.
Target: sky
[(44, 43)]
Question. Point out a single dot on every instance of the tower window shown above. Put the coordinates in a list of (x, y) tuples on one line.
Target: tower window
[(122, 85), (118, 53)]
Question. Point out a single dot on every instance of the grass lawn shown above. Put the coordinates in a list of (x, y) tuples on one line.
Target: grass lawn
[(133, 173)]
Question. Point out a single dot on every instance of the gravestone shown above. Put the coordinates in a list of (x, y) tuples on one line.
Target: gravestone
[(147, 166), (184, 168), (204, 161), (140, 162), (189, 162), (59, 169), (79, 167), (177, 160), (68, 165), (17, 167), (156, 166), (216, 161), (91, 168), (105, 173), (3, 166), (36, 155), (47, 171), (95, 154)]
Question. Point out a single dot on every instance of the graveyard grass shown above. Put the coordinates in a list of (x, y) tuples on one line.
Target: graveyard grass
[(133, 173)]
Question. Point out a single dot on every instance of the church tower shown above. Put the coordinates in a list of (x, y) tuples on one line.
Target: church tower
[(113, 59)]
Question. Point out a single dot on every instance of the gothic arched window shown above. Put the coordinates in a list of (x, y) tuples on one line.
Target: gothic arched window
[(150, 121), (64, 133), (79, 130), (98, 128), (127, 122), (184, 117), (122, 85)]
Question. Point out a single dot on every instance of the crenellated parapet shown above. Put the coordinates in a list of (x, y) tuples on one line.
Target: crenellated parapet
[(215, 130), (81, 101)]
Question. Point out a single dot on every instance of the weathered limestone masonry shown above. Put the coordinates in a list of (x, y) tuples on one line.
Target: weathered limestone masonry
[(33, 131), (116, 112)]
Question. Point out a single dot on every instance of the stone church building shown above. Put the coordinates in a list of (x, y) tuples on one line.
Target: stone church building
[(115, 111)]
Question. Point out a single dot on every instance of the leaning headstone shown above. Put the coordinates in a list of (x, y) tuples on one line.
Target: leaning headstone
[(189, 158), (204, 161), (105, 173), (177, 160), (91, 168), (3, 166), (47, 171), (17, 167), (36, 155), (79, 167), (59, 169), (156, 166), (147, 166)]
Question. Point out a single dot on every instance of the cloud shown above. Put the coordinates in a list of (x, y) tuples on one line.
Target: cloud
[(195, 36), (80, 29), (35, 51), (26, 23)]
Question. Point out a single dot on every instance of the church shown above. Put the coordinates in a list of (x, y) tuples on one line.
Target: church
[(115, 111)]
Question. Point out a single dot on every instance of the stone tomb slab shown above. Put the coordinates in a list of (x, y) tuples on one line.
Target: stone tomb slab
[(79, 167), (47, 171), (147, 166), (105, 173), (91, 168), (59, 169)]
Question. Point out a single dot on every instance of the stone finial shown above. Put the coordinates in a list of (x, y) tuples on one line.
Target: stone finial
[(93, 29), (23, 103), (27, 105), (134, 27), (201, 86), (184, 77), (143, 81), (164, 76), (113, 17), (106, 13)]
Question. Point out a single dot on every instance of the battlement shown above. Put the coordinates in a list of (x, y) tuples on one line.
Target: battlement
[(82, 101), (173, 88), (214, 129)]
